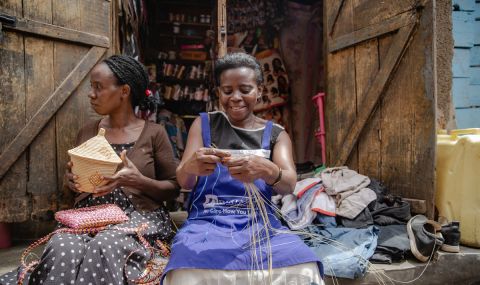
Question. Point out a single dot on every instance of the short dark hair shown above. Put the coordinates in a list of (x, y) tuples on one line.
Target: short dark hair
[(238, 60), (128, 70)]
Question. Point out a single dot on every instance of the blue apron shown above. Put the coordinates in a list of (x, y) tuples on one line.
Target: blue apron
[(218, 231)]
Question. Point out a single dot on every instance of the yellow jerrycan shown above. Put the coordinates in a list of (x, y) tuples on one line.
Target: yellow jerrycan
[(458, 181)]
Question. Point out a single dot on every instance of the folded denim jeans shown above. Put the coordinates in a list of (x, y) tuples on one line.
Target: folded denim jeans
[(343, 251)]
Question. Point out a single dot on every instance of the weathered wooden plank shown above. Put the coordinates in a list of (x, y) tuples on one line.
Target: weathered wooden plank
[(114, 35), (375, 89), (39, 10), (462, 28), (76, 111), (67, 56), (340, 100), (42, 167), (396, 128), (14, 209), (367, 12), (44, 207), (12, 119), (333, 16), (12, 7), (370, 32), (408, 124), (417, 207), (366, 64), (95, 17), (14, 203), (48, 109), (58, 33), (70, 119)]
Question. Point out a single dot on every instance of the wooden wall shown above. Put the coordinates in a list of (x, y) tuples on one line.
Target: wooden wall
[(44, 75), (380, 101)]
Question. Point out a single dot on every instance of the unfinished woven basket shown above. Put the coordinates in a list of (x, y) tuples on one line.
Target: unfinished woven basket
[(92, 160)]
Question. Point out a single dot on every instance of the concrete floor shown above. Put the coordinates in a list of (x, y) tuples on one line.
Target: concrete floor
[(447, 268), (10, 257)]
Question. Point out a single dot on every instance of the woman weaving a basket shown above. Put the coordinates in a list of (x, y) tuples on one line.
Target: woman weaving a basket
[(231, 235), (146, 179)]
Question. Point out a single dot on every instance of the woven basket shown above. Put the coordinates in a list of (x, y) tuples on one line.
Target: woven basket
[(92, 160)]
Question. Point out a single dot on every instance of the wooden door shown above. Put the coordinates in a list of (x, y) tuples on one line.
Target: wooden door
[(46, 53), (380, 104)]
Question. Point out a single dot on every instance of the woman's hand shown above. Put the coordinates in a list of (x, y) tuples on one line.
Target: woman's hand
[(71, 179), (127, 176), (204, 161), (250, 167)]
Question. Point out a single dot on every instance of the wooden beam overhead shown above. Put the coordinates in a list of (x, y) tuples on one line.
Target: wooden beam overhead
[(370, 32), (58, 33)]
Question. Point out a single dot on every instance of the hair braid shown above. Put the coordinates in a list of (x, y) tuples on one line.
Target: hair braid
[(129, 71)]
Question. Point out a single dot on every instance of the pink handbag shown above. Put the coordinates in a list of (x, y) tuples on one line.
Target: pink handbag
[(91, 217), (91, 220)]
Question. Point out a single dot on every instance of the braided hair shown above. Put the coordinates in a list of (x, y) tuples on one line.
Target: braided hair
[(128, 70)]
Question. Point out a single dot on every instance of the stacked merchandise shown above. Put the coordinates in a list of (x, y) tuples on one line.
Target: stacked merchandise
[(184, 60), (185, 85)]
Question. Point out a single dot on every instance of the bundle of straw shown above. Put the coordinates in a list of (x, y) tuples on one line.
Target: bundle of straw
[(92, 160)]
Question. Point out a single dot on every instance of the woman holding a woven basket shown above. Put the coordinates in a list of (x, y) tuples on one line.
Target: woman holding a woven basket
[(234, 162), (146, 179)]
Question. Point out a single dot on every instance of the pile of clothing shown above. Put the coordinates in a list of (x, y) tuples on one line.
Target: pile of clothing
[(348, 220)]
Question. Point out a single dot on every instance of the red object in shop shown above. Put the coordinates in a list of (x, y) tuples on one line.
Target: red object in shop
[(320, 134), (5, 239)]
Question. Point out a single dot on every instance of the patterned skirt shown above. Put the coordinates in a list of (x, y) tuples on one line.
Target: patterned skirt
[(109, 257)]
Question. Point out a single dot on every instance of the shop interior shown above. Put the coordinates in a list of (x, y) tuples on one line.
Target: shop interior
[(177, 41)]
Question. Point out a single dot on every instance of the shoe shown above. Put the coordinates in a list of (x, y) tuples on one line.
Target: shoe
[(451, 234), (425, 237)]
